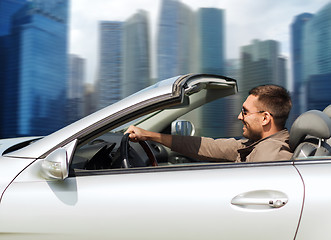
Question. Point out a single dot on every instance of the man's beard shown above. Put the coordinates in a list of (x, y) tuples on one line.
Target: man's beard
[(251, 135)]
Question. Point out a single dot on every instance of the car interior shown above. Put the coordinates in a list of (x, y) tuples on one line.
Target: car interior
[(310, 136), (113, 150)]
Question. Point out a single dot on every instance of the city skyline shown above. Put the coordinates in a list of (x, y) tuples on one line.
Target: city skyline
[(188, 40), (239, 18)]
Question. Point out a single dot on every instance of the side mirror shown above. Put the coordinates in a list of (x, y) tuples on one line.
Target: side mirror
[(55, 165), (182, 127)]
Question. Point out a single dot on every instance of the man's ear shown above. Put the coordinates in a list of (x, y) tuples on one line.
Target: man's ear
[(266, 118)]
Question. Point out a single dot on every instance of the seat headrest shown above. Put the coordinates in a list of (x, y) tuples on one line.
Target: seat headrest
[(313, 123), (327, 111)]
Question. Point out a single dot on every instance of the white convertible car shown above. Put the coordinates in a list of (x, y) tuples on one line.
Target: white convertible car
[(86, 182)]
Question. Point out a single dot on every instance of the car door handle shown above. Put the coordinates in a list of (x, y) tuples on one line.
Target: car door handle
[(275, 203), (268, 198)]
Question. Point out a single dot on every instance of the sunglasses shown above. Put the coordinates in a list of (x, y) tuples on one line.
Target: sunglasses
[(245, 112)]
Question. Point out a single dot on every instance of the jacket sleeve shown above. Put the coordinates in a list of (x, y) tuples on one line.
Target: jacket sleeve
[(206, 149)]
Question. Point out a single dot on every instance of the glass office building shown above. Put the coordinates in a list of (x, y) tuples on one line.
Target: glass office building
[(76, 79), (211, 44), (297, 47), (211, 59), (317, 44), (261, 63), (174, 40), (316, 70), (136, 54), (36, 71), (110, 63), (318, 89), (297, 29), (7, 9)]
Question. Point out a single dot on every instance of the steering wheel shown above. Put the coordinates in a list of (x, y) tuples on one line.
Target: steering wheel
[(102, 159), (125, 149)]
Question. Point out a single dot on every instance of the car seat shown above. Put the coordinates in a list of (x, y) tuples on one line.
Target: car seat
[(327, 111), (309, 134)]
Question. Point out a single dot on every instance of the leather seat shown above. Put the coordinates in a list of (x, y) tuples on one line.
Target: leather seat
[(309, 134), (327, 111)]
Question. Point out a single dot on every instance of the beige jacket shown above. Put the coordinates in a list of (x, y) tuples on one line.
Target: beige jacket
[(273, 148)]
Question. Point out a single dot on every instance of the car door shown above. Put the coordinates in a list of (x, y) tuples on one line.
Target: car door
[(316, 215), (197, 201)]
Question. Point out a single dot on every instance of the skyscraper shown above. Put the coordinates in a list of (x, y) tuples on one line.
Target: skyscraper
[(36, 72), (282, 72), (136, 54), (110, 63), (316, 71), (174, 40), (211, 43), (89, 99), (297, 47), (76, 88), (234, 103), (317, 44), (211, 55), (317, 91), (7, 10), (260, 65)]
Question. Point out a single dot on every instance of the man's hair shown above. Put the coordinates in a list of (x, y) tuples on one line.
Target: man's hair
[(275, 100)]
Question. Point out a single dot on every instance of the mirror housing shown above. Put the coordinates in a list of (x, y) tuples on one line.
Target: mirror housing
[(182, 127), (55, 165)]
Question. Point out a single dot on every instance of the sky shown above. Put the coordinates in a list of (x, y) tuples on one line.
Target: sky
[(244, 21)]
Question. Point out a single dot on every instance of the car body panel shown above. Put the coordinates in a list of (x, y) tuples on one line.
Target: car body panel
[(171, 202), (5, 144), (316, 215), (11, 167)]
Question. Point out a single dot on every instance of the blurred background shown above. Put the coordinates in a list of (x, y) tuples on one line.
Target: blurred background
[(61, 60)]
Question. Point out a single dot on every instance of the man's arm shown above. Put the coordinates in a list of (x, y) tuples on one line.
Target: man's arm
[(195, 147), (139, 134)]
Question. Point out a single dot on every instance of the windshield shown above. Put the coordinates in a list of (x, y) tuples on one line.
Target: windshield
[(137, 121)]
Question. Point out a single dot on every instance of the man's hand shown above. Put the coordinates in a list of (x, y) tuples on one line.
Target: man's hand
[(139, 134)]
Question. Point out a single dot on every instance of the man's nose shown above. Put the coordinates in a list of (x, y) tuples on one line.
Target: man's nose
[(240, 116)]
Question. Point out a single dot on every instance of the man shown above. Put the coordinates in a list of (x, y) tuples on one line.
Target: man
[(263, 114)]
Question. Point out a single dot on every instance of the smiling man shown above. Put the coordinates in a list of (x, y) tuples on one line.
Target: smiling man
[(263, 114)]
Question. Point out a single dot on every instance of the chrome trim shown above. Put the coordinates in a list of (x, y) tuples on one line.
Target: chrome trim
[(179, 167), (312, 161)]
